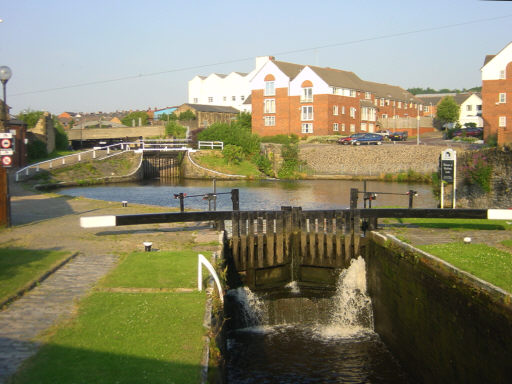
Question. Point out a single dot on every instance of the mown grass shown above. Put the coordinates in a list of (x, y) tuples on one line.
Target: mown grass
[(124, 338), (129, 337), (214, 160), (21, 267), (172, 269), (488, 263)]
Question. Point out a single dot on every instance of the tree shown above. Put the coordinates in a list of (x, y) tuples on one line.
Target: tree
[(187, 115), (134, 116), (30, 117), (448, 110)]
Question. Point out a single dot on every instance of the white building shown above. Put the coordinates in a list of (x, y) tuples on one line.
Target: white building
[(225, 90), (471, 111)]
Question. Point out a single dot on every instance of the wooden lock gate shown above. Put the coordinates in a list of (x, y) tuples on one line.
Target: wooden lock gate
[(273, 248)]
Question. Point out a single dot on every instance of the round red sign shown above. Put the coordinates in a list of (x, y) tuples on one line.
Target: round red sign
[(6, 143), (6, 160)]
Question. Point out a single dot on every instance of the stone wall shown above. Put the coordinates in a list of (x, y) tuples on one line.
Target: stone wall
[(473, 195), (45, 131), (443, 325)]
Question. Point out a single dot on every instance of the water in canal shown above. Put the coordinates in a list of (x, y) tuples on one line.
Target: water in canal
[(258, 194), (343, 349)]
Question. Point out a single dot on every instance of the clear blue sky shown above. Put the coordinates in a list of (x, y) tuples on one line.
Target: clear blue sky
[(59, 43)]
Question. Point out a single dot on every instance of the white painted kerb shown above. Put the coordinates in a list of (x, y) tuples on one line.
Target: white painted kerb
[(98, 221)]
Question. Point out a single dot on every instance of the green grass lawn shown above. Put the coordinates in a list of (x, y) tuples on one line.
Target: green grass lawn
[(457, 224), (124, 338), (214, 160), (487, 263), (172, 269), (129, 337), (20, 267)]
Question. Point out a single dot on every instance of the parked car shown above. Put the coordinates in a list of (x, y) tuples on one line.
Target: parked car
[(368, 138), (399, 136), (469, 132), (348, 140), (383, 132)]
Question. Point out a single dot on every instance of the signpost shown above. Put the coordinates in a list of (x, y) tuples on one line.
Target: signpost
[(448, 165)]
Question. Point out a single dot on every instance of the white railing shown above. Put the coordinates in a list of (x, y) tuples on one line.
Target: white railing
[(211, 144), (100, 153)]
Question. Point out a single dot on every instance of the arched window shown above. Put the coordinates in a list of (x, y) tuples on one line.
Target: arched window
[(307, 91), (270, 89)]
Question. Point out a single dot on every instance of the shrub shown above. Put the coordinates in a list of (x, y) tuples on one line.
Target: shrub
[(233, 154), (61, 138), (187, 115), (492, 140), (232, 134), (36, 150), (134, 116), (478, 172), (172, 128), (280, 139), (263, 164)]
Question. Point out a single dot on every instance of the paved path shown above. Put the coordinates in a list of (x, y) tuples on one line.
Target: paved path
[(42, 307)]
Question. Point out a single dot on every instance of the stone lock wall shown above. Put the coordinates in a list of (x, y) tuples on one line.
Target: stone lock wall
[(473, 195), (443, 325)]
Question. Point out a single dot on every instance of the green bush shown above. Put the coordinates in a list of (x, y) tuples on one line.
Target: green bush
[(478, 172), (36, 150), (263, 164), (492, 140), (61, 138), (290, 165), (172, 128), (233, 154), (232, 134), (187, 115), (134, 116), (30, 117)]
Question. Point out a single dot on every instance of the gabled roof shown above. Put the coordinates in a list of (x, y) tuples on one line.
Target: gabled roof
[(489, 58), (289, 69), (212, 108), (248, 100), (338, 77), (434, 99), (392, 92)]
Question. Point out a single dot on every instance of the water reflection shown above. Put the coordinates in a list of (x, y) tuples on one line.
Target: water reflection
[(258, 194)]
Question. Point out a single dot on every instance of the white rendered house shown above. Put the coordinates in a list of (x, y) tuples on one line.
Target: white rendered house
[(471, 111), (226, 90)]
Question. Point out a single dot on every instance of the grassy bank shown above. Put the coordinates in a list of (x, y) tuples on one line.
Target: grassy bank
[(19, 268), (132, 335)]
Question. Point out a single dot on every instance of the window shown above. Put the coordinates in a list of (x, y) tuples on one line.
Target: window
[(335, 127), (363, 126), (270, 89), (352, 112), (233, 98), (352, 127), (307, 94), (242, 98), (503, 98), (479, 108), (371, 128), (343, 127), (335, 110), (399, 104), (224, 98), (367, 95), (387, 102), (427, 108), (381, 102), (352, 93), (270, 106), (502, 74), (210, 99), (364, 113), (384, 116), (376, 102), (307, 113), (307, 128), (342, 109), (196, 100), (469, 108), (270, 121), (503, 121)]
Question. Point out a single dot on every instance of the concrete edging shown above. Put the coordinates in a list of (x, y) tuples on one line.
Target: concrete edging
[(32, 284)]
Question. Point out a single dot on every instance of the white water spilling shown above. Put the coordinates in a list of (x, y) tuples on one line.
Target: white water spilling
[(251, 309)]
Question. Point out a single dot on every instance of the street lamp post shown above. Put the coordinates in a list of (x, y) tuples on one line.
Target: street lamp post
[(5, 199), (5, 75)]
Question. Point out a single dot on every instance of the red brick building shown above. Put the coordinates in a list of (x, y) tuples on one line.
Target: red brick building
[(298, 99), (497, 95)]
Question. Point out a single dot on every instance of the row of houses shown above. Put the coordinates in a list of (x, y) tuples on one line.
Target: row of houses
[(287, 98)]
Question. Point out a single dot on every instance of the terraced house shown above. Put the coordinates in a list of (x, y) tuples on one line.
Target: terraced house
[(298, 99)]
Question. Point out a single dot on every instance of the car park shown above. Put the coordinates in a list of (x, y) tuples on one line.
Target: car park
[(399, 136)]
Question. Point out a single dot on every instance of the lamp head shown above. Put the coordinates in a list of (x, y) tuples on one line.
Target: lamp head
[(5, 73)]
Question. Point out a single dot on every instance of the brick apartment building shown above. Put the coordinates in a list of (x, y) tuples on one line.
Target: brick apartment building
[(298, 99), (497, 95)]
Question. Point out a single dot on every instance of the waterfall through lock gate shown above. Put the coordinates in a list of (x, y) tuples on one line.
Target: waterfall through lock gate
[(340, 347)]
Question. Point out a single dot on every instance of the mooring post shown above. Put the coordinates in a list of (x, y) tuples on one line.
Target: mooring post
[(181, 196), (411, 197), (235, 199)]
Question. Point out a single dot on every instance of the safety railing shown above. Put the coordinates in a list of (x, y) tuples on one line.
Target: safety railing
[(210, 144)]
